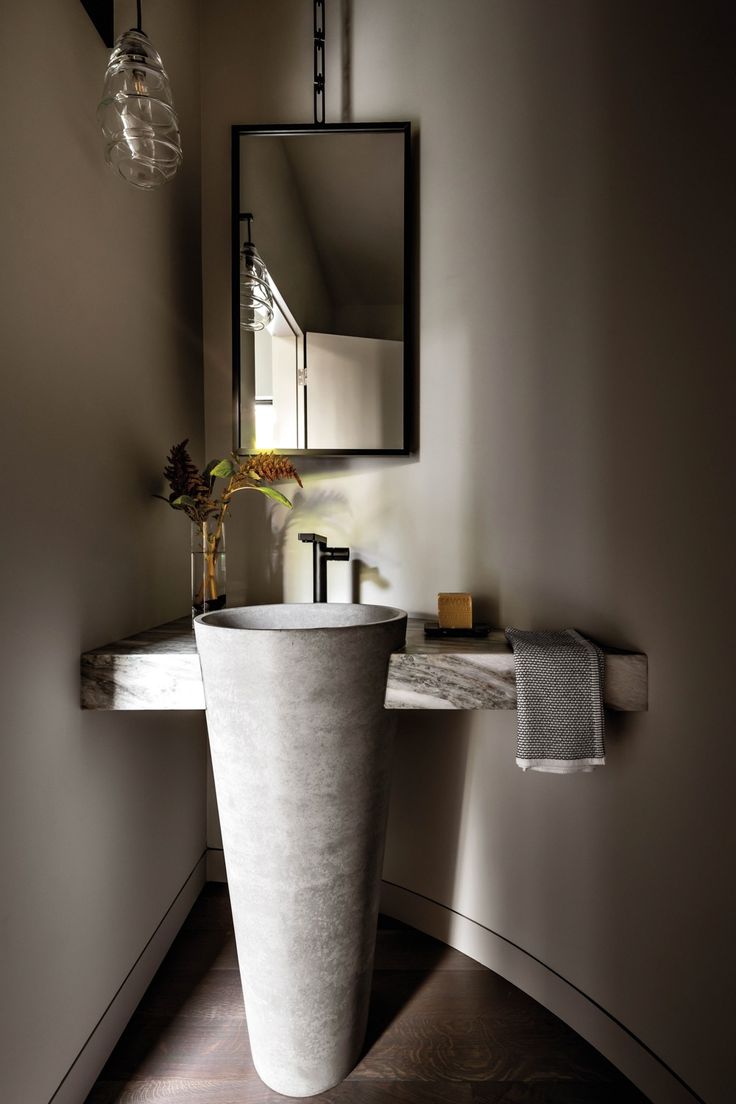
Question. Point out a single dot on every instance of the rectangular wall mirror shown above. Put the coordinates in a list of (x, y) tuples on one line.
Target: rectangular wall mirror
[(329, 371)]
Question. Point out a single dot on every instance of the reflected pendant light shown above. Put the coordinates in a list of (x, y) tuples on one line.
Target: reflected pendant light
[(256, 298), (136, 114)]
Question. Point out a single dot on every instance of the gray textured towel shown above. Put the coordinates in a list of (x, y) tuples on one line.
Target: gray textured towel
[(559, 691)]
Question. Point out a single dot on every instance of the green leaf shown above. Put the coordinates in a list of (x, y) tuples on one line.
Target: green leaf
[(182, 501), (222, 469), (277, 496)]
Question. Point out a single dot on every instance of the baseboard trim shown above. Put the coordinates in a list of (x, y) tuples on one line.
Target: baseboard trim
[(629, 1054), (84, 1070)]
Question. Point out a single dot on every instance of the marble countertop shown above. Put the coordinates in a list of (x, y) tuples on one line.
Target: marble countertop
[(159, 669)]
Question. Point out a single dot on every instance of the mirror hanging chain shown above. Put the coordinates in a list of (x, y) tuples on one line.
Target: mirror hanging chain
[(319, 62)]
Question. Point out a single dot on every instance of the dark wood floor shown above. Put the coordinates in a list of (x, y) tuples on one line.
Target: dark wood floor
[(442, 1030)]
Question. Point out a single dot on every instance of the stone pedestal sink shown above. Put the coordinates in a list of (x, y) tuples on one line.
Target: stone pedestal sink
[(301, 749)]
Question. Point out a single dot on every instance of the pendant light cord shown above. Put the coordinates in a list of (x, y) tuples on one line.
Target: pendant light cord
[(347, 61), (138, 15), (319, 62)]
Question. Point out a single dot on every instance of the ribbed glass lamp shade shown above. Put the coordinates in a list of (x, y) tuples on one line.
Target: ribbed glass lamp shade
[(256, 300), (136, 114)]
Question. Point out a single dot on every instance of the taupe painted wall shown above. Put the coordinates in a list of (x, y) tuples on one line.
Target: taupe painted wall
[(575, 281), (101, 815)]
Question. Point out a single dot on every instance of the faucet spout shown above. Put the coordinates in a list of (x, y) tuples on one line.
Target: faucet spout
[(320, 555)]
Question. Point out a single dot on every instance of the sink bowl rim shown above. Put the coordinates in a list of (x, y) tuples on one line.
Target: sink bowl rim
[(211, 620)]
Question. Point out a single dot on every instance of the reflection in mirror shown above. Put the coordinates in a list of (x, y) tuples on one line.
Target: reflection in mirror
[(330, 372), (272, 383)]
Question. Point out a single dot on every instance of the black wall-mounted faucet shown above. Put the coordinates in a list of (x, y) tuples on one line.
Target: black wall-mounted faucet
[(320, 555)]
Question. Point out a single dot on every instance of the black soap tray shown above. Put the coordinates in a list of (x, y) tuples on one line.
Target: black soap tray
[(433, 630)]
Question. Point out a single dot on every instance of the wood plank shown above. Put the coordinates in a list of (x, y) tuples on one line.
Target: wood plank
[(442, 1030), (411, 950), (554, 1092), (469, 1026), (156, 1047), (191, 1091)]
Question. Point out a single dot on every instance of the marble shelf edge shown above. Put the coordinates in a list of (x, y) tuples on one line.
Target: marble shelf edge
[(159, 669)]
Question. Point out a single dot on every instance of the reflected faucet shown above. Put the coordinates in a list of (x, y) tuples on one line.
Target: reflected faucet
[(320, 555)]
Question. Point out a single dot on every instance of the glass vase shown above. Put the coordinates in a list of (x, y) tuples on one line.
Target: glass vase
[(208, 566)]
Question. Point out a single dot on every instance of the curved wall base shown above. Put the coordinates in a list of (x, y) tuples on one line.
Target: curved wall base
[(601, 1030)]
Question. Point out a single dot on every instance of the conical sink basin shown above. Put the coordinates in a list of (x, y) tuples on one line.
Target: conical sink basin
[(301, 751)]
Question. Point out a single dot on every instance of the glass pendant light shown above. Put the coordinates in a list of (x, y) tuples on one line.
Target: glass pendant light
[(136, 113), (256, 298)]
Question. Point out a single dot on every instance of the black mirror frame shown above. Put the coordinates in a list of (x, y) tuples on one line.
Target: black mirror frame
[(279, 130)]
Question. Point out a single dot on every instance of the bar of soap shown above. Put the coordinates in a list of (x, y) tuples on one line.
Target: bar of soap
[(455, 611)]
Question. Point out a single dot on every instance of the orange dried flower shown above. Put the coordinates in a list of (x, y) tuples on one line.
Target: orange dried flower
[(271, 466)]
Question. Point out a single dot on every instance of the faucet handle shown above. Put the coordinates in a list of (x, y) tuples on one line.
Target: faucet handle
[(337, 553), (312, 538)]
